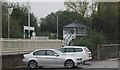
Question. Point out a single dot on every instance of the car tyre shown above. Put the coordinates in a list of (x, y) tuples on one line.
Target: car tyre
[(69, 64), (33, 64)]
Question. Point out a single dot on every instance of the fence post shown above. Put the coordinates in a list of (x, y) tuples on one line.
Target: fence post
[(20, 46), (34, 47), (1, 52), (1, 46), (119, 54), (98, 52)]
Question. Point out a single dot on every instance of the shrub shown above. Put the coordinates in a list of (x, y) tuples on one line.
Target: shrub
[(91, 41)]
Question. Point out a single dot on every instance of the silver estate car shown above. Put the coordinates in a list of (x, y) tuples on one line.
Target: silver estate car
[(82, 51), (51, 57)]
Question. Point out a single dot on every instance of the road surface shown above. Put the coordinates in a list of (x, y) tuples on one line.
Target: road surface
[(92, 65)]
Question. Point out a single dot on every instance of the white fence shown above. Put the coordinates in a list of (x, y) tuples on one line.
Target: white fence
[(19, 46)]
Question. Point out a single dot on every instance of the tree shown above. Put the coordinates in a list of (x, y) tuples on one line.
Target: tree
[(91, 41), (18, 19), (49, 23), (78, 6), (4, 20), (104, 16), (106, 20)]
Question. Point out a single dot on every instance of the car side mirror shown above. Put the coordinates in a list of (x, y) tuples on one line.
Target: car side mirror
[(56, 55)]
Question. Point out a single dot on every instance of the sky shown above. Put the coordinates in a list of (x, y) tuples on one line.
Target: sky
[(42, 9)]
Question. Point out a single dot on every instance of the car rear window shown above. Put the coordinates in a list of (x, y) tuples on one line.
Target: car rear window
[(86, 49)]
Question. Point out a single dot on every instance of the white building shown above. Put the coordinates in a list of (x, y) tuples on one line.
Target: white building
[(71, 31)]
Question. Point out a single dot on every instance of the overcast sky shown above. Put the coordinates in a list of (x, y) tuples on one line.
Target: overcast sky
[(42, 9)]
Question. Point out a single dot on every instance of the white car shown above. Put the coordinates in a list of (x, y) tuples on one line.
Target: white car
[(51, 57), (82, 51)]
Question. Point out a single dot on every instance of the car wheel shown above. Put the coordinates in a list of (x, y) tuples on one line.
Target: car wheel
[(69, 64), (33, 64)]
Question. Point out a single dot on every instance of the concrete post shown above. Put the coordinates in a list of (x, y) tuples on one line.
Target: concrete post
[(20, 47), (98, 52)]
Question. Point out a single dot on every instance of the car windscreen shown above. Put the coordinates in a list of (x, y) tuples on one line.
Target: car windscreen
[(62, 50), (58, 52)]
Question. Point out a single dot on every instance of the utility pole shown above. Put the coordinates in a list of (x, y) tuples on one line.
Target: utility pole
[(0, 20), (9, 13), (1, 33), (8, 26), (57, 26), (29, 20)]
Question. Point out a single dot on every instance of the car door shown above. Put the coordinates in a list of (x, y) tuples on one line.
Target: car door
[(40, 57), (53, 59)]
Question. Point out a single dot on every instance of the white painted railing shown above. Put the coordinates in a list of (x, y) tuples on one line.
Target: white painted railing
[(69, 37), (19, 46)]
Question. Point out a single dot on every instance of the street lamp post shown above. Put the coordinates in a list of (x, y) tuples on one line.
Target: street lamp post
[(28, 3), (9, 12), (57, 26)]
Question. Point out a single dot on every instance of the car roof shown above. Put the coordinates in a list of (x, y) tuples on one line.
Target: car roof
[(74, 47), (44, 49)]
